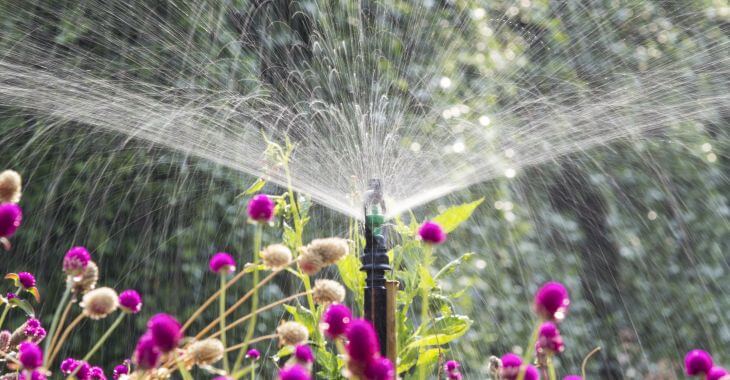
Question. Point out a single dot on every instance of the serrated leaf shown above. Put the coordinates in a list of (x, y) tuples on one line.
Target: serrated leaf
[(22, 305), (450, 219)]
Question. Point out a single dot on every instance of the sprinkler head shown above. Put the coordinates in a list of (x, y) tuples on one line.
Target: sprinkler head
[(374, 206)]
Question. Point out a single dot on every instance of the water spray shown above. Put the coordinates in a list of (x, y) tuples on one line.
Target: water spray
[(375, 264)]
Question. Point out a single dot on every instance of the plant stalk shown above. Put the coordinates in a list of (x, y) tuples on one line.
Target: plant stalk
[(222, 318), (258, 236)]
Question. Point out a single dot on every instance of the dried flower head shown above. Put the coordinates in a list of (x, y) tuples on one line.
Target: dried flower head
[(276, 256), (130, 301), (294, 372), (11, 216), (431, 233), (87, 281), (166, 331), (30, 355), (551, 301), (326, 292), (260, 208), (146, 353), (5, 340), (75, 261), (10, 186), (99, 303), (222, 262), (205, 352), (292, 333), (335, 320), (310, 263), (330, 250), (697, 362)]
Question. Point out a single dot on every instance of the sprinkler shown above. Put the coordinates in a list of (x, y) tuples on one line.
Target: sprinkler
[(375, 263)]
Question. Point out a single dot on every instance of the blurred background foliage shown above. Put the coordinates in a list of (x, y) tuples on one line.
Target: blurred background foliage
[(638, 230)]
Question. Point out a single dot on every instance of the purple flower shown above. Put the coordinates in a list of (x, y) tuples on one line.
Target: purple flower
[(35, 375), (303, 354), (511, 364), (431, 233), (362, 346), (253, 354), (26, 280), (130, 301), (716, 373), (572, 377), (551, 301), (549, 339), (456, 375), (222, 261), (697, 362), (11, 215), (68, 365), (335, 320), (75, 261), (294, 372), (451, 366), (380, 369), (34, 329), (96, 373), (260, 208), (531, 373), (122, 369), (10, 296), (166, 331), (30, 355), (146, 354)]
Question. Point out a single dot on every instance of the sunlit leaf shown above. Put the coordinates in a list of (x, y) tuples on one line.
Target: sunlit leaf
[(255, 187), (22, 305), (455, 215), (442, 330)]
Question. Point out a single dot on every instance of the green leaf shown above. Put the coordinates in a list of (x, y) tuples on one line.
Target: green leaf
[(453, 265), (426, 281), (442, 330), (429, 357), (255, 187), (454, 216), (282, 353), (352, 276), (23, 305), (302, 315)]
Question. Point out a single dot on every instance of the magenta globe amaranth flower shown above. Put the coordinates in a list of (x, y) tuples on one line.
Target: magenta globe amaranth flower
[(122, 369), (166, 331), (697, 362), (30, 355), (222, 261), (531, 373), (335, 320), (362, 341), (11, 216), (27, 280), (253, 354), (303, 354), (716, 373), (75, 261), (260, 208), (431, 233), (130, 301), (146, 354), (35, 375), (511, 364), (294, 372), (549, 340), (451, 365), (380, 369), (68, 365), (96, 373), (551, 301)]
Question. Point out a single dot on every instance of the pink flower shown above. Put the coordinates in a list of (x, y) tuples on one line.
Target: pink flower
[(549, 339), (26, 280), (260, 208), (122, 369), (222, 261), (697, 362), (303, 354), (380, 369), (253, 354), (130, 301), (551, 301), (11, 215), (146, 354), (30, 355), (294, 372), (96, 373), (716, 373), (75, 261), (335, 320), (431, 233), (166, 331), (511, 364), (362, 341)]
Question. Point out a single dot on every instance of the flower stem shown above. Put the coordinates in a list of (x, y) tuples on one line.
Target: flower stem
[(427, 252), (222, 319), (585, 361), (253, 372), (104, 337), (258, 233), (6, 309), (251, 341), (551, 368), (62, 339), (210, 300), (530, 350), (59, 325)]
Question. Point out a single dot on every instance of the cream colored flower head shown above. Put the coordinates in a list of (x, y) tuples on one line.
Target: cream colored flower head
[(10, 186), (88, 279), (276, 256), (205, 352), (310, 263), (99, 303), (292, 333), (326, 292), (330, 250)]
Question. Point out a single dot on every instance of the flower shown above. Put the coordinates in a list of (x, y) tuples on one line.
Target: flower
[(380, 369), (511, 364), (30, 355), (292, 333), (717, 373), (122, 369), (75, 261), (310, 263), (327, 291), (130, 301), (96, 373), (88, 279), (697, 362), (206, 351), (549, 339), (5, 340), (69, 365), (362, 342), (451, 365), (11, 295), (303, 354), (222, 261), (10, 183), (11, 216), (329, 250), (253, 354), (276, 256), (335, 320), (32, 329), (294, 372), (146, 354), (99, 303), (35, 375), (431, 233), (551, 301), (531, 373), (27, 280), (166, 331), (260, 208)]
